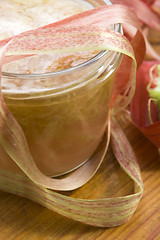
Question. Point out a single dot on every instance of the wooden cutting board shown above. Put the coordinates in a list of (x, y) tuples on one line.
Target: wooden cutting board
[(22, 219)]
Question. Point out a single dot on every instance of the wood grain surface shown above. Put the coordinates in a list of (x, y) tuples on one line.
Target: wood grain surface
[(22, 219)]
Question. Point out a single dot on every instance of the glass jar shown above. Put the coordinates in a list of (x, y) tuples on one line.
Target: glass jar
[(65, 123)]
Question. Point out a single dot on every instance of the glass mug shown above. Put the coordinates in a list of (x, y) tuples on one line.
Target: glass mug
[(65, 123)]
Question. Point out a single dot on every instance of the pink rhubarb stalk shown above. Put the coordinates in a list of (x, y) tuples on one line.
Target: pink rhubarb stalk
[(145, 104), (148, 13)]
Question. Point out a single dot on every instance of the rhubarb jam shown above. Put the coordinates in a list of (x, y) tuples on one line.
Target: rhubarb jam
[(60, 101)]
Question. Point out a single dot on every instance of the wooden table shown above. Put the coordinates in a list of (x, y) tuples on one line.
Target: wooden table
[(22, 219)]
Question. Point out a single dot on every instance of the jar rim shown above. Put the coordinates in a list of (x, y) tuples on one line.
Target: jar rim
[(61, 72)]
